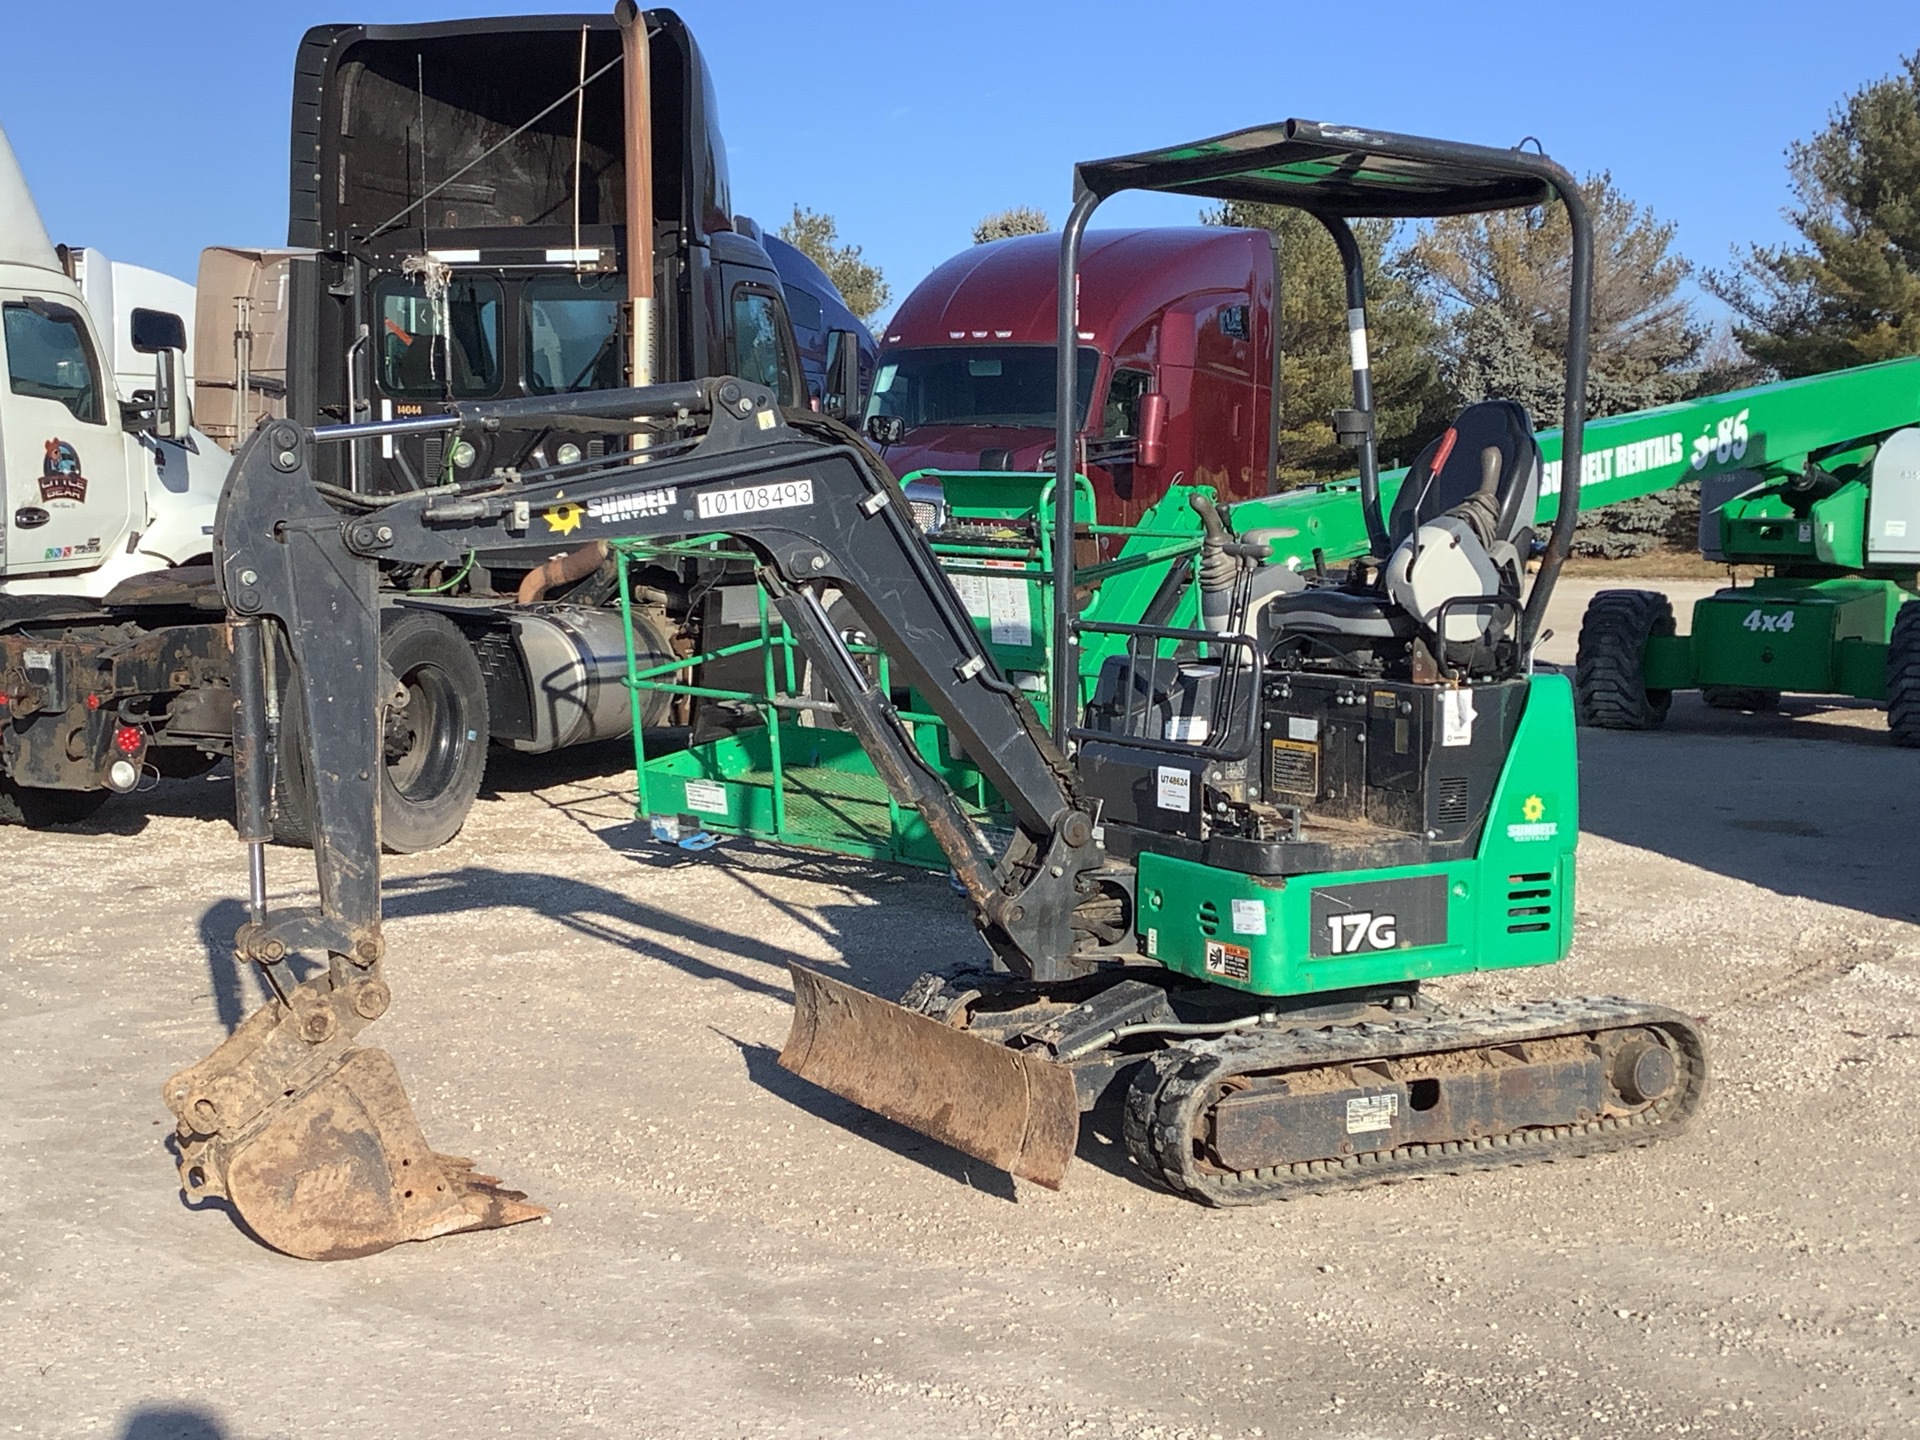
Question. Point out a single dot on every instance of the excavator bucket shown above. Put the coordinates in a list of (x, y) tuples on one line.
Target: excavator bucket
[(316, 1145), (1010, 1108)]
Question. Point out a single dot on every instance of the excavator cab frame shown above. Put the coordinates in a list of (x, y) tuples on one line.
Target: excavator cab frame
[(1335, 173)]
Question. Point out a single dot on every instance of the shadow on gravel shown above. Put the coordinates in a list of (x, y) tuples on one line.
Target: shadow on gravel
[(1828, 819), (919, 927), (763, 1069), (170, 1422), (509, 772)]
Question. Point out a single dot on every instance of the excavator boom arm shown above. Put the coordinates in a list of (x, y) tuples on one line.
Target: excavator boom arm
[(811, 502)]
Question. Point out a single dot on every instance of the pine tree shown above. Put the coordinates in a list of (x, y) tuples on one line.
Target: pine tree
[(1004, 224), (859, 282), (1850, 294), (1410, 403), (1501, 282)]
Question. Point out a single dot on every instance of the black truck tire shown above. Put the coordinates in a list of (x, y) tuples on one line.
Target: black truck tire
[(37, 809), (1903, 676), (436, 745), (1610, 679), (1741, 697)]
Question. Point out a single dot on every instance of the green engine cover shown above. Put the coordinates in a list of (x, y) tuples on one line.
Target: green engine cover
[(1510, 905)]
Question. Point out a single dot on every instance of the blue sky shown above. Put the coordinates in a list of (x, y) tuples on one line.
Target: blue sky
[(159, 129)]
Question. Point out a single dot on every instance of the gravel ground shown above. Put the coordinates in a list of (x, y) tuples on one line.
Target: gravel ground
[(733, 1253)]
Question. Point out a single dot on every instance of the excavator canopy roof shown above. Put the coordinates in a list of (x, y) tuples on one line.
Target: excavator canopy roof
[(1334, 170)]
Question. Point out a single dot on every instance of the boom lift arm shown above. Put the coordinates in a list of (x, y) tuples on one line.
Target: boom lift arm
[(299, 560)]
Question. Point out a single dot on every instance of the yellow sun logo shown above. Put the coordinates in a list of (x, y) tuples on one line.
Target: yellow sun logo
[(1534, 808), (563, 519)]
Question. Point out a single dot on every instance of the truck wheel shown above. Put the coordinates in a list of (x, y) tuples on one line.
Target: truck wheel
[(1903, 676), (1610, 679), (436, 744), (37, 809), (1741, 697)]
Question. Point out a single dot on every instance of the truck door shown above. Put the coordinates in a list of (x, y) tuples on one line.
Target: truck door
[(760, 343), (69, 486)]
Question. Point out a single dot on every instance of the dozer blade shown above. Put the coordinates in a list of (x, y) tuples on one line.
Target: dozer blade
[(316, 1145), (1010, 1108)]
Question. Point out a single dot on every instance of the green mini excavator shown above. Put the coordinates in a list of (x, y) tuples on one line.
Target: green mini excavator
[(1227, 875)]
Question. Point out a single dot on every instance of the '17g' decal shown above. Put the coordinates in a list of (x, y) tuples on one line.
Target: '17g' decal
[(1363, 930), (1371, 916)]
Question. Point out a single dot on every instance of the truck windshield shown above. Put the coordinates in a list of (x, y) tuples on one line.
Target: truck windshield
[(416, 358), (977, 385), (573, 333)]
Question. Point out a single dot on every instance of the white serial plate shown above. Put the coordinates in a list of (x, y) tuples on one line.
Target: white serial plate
[(750, 499), (1371, 1112)]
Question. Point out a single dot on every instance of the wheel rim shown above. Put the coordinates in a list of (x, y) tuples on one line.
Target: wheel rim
[(425, 737)]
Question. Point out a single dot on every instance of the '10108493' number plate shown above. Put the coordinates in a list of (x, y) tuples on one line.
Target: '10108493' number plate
[(749, 499)]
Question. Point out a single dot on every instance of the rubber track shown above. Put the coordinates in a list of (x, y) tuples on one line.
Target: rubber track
[(1903, 676), (1169, 1097), (1610, 686)]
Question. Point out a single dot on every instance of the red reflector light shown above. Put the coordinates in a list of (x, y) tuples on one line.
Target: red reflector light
[(129, 740), (93, 702)]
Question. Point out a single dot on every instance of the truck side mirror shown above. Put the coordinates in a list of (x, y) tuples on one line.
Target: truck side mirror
[(1151, 450), (163, 335), (886, 429), (842, 400)]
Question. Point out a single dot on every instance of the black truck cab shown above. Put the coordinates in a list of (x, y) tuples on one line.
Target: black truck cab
[(466, 199)]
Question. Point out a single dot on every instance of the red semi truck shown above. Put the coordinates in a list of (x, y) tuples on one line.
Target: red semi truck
[(1177, 364)]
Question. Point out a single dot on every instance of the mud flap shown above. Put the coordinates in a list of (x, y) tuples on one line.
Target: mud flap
[(1013, 1109), (315, 1143)]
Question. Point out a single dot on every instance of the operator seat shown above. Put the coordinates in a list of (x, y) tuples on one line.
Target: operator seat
[(1460, 527)]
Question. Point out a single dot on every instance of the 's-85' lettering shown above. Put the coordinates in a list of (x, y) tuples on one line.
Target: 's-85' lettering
[(1363, 930)]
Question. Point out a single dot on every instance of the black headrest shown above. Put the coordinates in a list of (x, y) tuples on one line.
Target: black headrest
[(1450, 470)]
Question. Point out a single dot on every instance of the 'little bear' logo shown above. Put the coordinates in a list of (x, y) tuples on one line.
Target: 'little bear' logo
[(60, 477)]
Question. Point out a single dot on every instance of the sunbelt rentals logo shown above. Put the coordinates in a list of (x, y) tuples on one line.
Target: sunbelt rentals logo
[(1535, 826)]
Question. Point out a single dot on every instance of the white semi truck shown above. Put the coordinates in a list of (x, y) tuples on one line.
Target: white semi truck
[(109, 497), (104, 478)]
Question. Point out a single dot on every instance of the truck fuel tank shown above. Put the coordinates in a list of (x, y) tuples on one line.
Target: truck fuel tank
[(556, 675)]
